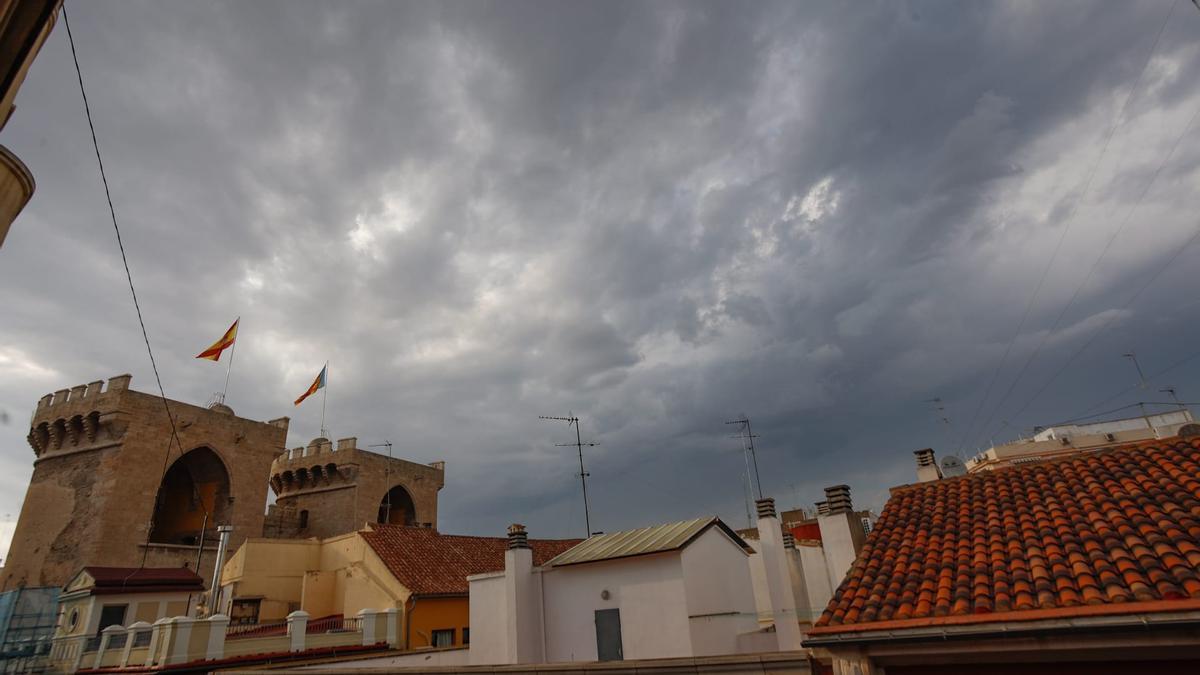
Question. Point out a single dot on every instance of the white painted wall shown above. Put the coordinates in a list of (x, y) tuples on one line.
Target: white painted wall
[(799, 588), (523, 600), (816, 580), (488, 616), (649, 591), (758, 577), (720, 593), (841, 543)]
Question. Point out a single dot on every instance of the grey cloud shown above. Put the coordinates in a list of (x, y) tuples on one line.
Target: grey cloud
[(657, 215)]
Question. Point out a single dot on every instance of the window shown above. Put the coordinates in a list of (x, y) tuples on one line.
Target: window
[(244, 611), (443, 638), (304, 519), (111, 615), (466, 635)]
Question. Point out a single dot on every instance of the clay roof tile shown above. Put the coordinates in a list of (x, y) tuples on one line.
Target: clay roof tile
[(1116, 526)]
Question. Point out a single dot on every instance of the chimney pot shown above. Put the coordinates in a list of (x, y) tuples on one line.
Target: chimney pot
[(822, 508), (766, 507), (789, 540), (838, 499), (517, 537)]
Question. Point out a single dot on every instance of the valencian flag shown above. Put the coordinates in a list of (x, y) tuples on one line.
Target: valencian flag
[(318, 383), (213, 353)]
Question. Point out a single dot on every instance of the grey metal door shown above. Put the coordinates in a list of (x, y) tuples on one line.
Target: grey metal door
[(608, 635)]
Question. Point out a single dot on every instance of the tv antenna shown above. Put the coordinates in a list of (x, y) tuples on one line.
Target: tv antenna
[(1174, 397), (572, 420), (746, 434)]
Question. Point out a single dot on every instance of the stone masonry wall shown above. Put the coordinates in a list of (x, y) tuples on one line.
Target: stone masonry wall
[(341, 487), (100, 459)]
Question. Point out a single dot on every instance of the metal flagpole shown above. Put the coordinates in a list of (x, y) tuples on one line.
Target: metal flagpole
[(324, 398), (229, 366)]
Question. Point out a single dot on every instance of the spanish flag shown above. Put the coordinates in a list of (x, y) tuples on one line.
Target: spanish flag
[(213, 353), (317, 384)]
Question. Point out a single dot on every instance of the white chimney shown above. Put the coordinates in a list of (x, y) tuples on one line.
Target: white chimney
[(927, 467), (842, 534), (780, 595), (523, 620)]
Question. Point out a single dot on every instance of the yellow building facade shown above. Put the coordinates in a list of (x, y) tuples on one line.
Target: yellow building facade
[(416, 570)]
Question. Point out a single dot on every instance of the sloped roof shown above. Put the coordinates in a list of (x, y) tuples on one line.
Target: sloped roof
[(1109, 532), (427, 562), (135, 580), (654, 539)]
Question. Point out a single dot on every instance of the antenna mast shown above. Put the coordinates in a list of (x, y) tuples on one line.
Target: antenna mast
[(746, 434), (571, 419)]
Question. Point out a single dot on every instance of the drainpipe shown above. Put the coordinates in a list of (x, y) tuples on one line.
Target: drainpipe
[(222, 544), (408, 612)]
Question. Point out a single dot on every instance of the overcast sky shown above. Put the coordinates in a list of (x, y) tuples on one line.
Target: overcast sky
[(657, 215)]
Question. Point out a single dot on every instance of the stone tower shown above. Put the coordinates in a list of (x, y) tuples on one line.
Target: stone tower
[(98, 483), (324, 491)]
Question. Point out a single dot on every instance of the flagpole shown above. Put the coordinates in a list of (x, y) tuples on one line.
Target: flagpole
[(229, 366), (324, 398)]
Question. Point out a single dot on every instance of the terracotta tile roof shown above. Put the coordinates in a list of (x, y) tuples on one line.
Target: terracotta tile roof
[(1108, 532), (430, 563)]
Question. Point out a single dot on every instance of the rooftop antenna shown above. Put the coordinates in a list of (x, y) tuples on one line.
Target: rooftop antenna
[(1141, 376), (572, 420), (387, 478), (746, 434), (1171, 390), (1141, 383), (939, 411)]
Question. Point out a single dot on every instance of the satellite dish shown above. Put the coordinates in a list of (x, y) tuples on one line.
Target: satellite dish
[(953, 466)]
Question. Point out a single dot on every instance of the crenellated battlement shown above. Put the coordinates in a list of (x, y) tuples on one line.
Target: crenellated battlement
[(82, 415), (320, 466)]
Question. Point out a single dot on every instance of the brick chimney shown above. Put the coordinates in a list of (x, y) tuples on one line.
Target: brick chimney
[(927, 466)]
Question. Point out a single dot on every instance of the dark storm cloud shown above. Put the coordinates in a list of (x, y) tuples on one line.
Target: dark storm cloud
[(657, 215)]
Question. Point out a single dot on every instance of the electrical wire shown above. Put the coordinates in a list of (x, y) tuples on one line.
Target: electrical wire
[(1091, 271), (968, 432), (132, 291), (1181, 362), (1104, 327)]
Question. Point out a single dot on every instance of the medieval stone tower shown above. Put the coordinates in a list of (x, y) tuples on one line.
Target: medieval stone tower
[(98, 485), (324, 491)]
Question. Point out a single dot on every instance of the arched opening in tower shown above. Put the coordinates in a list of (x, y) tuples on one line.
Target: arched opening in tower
[(396, 508), (196, 484)]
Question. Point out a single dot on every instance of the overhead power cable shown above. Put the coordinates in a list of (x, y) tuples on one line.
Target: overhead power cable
[(1088, 277), (1102, 330), (112, 212), (1149, 378), (968, 432)]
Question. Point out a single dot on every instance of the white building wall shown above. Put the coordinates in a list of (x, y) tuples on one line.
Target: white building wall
[(799, 588), (489, 620), (649, 591), (758, 578), (720, 593), (816, 580), (841, 537)]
